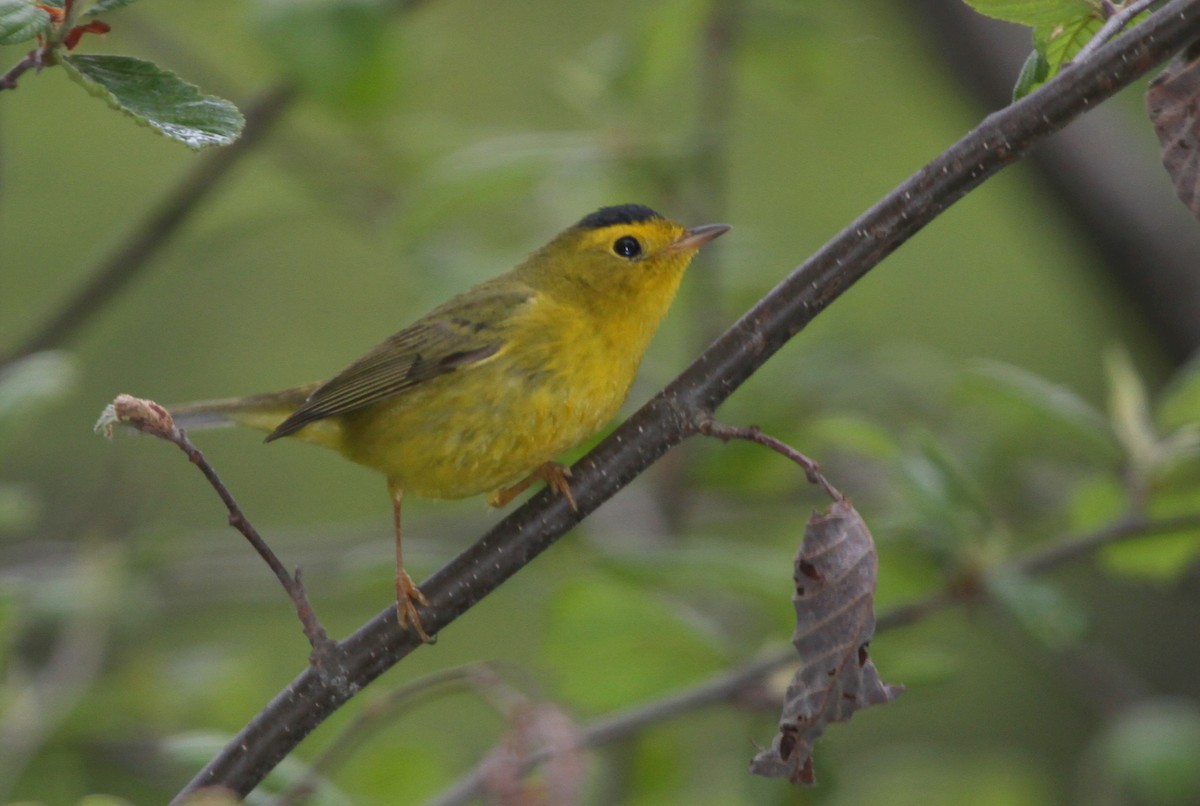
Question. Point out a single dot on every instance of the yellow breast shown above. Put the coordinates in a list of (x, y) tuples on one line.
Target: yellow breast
[(558, 380)]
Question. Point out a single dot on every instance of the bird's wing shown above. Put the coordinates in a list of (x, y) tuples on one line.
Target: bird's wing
[(464, 331)]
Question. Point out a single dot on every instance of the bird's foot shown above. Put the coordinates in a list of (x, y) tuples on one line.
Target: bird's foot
[(555, 476)]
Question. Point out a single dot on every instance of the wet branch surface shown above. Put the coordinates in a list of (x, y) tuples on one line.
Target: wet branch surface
[(680, 410)]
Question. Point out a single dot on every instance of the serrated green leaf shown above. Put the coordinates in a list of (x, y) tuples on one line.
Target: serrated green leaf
[(1066, 39), (157, 98), (1034, 13), (21, 21), (1034, 73), (1054, 46)]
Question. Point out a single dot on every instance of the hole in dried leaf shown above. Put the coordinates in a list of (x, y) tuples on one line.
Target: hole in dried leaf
[(809, 570)]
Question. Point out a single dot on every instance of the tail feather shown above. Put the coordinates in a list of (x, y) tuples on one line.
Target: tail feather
[(263, 412)]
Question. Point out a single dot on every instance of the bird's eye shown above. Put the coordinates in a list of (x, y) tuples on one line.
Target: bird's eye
[(627, 246)]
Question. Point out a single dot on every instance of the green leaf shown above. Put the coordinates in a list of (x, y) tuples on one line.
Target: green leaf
[(1045, 405), (1179, 403), (1161, 558), (1033, 74), (157, 98), (1034, 13), (1040, 607), (1097, 501), (20, 21), (1066, 39), (1129, 410), (944, 508)]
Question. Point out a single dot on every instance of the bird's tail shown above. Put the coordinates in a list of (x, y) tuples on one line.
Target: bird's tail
[(262, 412)]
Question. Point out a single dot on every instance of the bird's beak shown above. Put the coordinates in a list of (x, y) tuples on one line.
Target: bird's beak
[(696, 237)]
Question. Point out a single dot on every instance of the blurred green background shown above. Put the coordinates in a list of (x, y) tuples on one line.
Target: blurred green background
[(434, 147)]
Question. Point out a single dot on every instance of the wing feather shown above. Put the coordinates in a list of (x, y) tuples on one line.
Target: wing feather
[(466, 330)]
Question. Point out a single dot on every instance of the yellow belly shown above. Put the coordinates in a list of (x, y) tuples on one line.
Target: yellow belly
[(488, 426)]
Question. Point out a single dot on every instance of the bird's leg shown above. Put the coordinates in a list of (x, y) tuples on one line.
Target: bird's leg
[(408, 595), (555, 476)]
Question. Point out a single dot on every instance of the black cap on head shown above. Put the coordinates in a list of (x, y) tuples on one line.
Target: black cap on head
[(620, 214)]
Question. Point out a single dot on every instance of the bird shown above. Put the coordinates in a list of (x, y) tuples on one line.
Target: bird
[(483, 392)]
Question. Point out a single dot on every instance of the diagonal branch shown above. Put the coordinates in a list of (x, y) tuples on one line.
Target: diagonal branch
[(676, 412)]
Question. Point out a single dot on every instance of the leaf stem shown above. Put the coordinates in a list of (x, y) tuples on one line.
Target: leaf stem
[(32, 59), (812, 470)]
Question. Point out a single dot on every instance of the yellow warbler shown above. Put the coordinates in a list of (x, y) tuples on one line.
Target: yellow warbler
[(483, 392)]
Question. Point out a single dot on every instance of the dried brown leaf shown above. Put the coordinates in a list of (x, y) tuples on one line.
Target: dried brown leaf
[(1173, 104), (835, 577)]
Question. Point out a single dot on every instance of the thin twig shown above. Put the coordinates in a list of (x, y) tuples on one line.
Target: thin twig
[(812, 470), (1118, 20), (151, 418), (670, 417), (1068, 549), (32, 59)]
